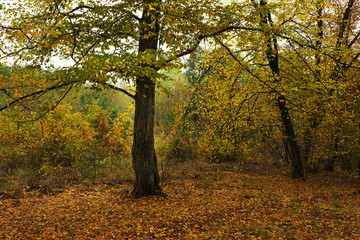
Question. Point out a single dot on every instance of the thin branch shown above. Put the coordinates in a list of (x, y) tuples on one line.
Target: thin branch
[(254, 75), (17, 100), (10, 96), (79, 8), (120, 90), (352, 61), (354, 40), (309, 67), (204, 36), (56, 104), (10, 28), (237, 60)]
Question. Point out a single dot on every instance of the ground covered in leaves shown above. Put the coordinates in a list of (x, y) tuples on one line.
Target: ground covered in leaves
[(203, 202)]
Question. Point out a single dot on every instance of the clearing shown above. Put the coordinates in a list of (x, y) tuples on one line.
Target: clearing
[(222, 201)]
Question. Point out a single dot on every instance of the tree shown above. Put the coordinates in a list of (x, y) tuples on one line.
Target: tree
[(272, 54), (258, 40), (143, 154), (110, 46), (306, 60), (325, 52)]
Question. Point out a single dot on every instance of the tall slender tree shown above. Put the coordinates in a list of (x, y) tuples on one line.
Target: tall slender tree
[(272, 54)]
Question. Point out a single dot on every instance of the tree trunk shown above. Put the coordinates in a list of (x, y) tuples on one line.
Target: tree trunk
[(286, 149), (309, 140), (143, 152), (295, 153), (272, 54), (331, 161)]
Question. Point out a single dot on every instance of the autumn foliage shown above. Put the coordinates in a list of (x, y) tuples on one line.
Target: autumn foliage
[(64, 146), (230, 201), (242, 117)]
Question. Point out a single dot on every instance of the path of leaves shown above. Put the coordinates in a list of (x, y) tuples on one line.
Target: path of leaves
[(202, 204)]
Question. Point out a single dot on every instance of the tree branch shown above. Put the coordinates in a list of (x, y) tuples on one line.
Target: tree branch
[(201, 37), (120, 90), (17, 100), (56, 104)]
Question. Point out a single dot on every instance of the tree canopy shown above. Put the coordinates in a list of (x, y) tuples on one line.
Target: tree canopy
[(272, 77)]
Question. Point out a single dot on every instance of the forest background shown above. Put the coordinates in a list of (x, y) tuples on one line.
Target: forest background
[(264, 83)]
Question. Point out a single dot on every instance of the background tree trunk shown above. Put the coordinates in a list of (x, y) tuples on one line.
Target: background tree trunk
[(272, 54), (295, 153)]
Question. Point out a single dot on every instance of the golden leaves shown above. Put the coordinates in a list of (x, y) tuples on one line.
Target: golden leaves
[(226, 204)]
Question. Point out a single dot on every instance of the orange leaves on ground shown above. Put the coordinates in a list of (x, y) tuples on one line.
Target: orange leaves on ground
[(206, 203)]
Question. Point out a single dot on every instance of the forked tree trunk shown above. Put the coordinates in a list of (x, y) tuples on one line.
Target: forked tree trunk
[(143, 151)]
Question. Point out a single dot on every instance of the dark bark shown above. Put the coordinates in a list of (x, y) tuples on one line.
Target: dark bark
[(272, 54), (147, 180), (295, 153), (286, 149), (309, 139), (330, 165), (143, 154), (320, 36)]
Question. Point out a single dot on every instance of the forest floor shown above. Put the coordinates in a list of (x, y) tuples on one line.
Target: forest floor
[(220, 201)]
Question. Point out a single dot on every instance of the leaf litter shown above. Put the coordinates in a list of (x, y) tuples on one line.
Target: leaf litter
[(207, 203)]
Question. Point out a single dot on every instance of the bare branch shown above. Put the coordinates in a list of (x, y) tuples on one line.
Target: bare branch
[(354, 40), (254, 75), (204, 36), (17, 100), (120, 90), (56, 104)]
